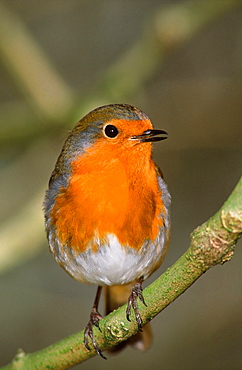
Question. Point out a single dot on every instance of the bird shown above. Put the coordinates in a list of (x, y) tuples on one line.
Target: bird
[(107, 211)]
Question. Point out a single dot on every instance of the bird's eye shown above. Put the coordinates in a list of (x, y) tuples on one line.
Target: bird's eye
[(111, 131)]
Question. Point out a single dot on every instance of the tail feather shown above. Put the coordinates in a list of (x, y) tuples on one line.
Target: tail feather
[(116, 296)]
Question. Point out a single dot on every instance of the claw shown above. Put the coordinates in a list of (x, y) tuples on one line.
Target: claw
[(94, 320), (132, 302)]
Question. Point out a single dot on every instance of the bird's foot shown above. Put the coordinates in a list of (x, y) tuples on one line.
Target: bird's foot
[(137, 292), (94, 320)]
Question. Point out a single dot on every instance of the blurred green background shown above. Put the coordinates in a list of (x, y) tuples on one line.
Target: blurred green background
[(180, 62)]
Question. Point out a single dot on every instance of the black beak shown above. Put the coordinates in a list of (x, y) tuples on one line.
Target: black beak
[(151, 135)]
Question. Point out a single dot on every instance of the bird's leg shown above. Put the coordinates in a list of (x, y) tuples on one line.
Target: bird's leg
[(132, 302), (94, 320)]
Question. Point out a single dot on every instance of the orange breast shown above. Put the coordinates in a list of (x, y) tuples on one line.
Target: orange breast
[(109, 192)]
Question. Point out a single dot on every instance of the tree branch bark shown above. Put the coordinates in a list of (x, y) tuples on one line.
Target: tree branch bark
[(212, 243)]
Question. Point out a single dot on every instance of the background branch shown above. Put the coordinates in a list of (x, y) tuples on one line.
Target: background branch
[(212, 243)]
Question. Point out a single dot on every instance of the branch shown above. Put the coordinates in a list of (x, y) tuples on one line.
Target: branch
[(31, 69), (212, 243)]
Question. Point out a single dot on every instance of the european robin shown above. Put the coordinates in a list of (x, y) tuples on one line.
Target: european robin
[(107, 209)]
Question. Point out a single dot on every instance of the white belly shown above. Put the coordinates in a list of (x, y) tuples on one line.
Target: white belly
[(112, 264)]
